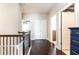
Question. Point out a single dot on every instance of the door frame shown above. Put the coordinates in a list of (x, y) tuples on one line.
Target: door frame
[(61, 23)]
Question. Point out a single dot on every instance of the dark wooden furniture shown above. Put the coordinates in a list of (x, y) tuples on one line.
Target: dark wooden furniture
[(74, 41)]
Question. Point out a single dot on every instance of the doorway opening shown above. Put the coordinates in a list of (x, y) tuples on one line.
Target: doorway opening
[(67, 20), (25, 26), (54, 28)]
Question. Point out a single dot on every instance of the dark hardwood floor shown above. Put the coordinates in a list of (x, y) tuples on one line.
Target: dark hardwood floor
[(40, 47), (59, 52), (43, 47)]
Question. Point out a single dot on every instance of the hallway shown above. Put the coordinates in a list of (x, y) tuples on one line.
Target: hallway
[(36, 19)]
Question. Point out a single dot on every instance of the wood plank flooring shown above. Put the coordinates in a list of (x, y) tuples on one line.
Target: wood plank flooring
[(43, 47), (40, 47)]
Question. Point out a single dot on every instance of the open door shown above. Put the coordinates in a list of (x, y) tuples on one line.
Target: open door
[(53, 28), (65, 19), (68, 20)]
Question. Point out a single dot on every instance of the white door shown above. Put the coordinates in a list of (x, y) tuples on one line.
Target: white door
[(68, 20)]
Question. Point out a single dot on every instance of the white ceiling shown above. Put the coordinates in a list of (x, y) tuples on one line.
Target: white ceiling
[(38, 7)]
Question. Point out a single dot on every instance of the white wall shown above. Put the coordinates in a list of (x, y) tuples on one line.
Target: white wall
[(51, 13), (77, 13), (57, 8), (10, 16), (68, 20), (58, 44), (38, 25), (52, 23)]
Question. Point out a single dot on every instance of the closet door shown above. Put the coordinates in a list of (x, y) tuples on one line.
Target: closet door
[(40, 28), (43, 28), (36, 28)]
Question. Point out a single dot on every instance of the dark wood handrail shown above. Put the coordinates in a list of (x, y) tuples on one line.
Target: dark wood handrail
[(11, 35), (22, 32)]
